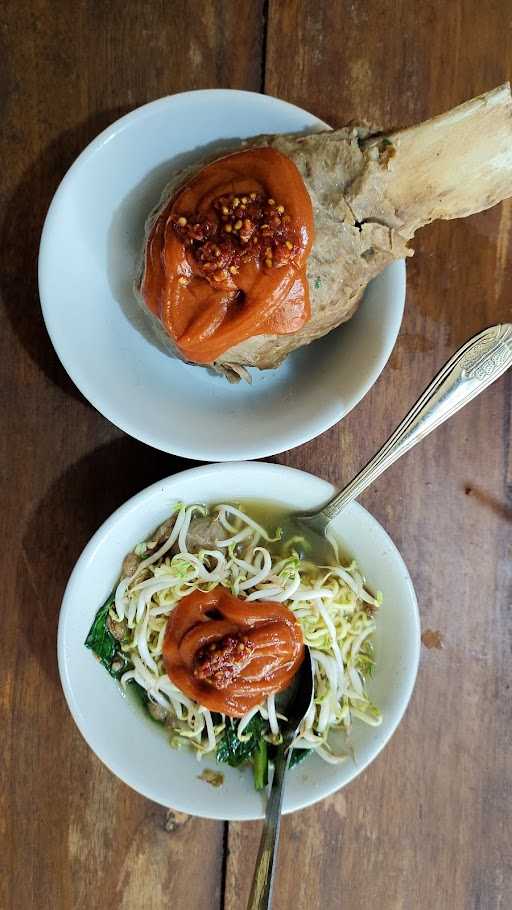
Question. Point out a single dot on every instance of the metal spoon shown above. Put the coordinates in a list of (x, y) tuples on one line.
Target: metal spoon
[(475, 366), (295, 702)]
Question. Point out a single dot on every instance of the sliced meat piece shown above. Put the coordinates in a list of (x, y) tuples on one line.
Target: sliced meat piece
[(130, 563), (117, 629), (132, 560), (158, 712), (204, 533), (164, 532)]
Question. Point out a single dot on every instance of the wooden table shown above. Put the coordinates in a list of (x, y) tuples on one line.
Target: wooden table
[(428, 826)]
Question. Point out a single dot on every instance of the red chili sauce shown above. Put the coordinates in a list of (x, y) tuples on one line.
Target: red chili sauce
[(230, 654), (226, 258)]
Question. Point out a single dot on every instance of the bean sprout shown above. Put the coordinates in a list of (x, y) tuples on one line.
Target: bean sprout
[(331, 603)]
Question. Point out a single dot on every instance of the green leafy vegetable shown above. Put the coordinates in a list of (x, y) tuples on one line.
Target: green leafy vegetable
[(260, 765), (254, 749), (102, 642), (298, 756), (235, 752), (317, 283)]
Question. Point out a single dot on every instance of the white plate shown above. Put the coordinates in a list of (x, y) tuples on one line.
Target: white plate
[(130, 744), (91, 241)]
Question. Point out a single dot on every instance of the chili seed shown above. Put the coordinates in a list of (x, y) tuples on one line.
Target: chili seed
[(240, 234)]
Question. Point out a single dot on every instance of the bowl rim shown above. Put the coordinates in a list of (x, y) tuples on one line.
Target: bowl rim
[(130, 505), (295, 436)]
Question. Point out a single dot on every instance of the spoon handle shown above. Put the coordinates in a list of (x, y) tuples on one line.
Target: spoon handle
[(474, 367), (261, 890)]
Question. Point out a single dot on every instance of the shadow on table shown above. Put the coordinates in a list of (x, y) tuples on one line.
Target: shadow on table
[(62, 522), (20, 233)]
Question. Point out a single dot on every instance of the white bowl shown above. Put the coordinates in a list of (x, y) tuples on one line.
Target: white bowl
[(91, 241), (130, 744)]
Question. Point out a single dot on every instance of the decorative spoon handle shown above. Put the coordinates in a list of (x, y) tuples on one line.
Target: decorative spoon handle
[(474, 367), (261, 890)]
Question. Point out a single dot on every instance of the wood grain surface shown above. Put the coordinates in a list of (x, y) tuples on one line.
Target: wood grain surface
[(427, 827)]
